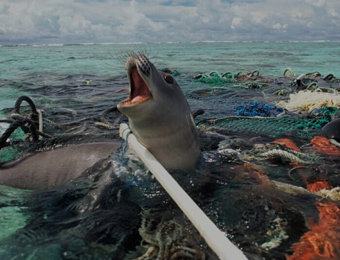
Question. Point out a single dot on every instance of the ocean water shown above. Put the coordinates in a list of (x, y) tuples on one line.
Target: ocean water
[(75, 84), (46, 65)]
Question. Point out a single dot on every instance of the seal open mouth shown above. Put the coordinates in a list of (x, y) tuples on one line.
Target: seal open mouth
[(139, 90)]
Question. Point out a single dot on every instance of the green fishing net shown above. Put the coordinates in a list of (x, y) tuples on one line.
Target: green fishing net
[(215, 78), (267, 126), (9, 153)]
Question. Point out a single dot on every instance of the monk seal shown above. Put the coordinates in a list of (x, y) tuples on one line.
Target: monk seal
[(159, 115), (52, 168)]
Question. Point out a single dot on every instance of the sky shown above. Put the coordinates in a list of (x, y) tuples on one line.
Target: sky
[(107, 21)]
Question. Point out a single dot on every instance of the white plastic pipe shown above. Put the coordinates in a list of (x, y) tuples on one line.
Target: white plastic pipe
[(3, 127), (41, 124), (216, 239)]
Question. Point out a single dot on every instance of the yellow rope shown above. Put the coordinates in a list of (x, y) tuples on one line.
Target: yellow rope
[(306, 100)]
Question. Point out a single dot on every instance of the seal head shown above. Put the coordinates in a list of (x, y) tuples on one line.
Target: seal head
[(159, 115)]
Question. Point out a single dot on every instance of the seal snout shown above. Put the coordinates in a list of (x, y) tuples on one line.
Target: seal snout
[(144, 64), (138, 69)]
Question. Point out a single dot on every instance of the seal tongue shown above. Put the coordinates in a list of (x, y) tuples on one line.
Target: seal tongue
[(139, 89)]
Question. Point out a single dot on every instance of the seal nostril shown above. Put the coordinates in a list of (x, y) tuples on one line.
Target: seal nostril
[(144, 65)]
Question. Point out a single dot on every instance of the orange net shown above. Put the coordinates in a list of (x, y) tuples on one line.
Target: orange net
[(288, 143), (319, 185), (323, 240), (323, 145), (251, 170)]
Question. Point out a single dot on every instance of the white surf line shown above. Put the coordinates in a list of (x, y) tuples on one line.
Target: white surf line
[(215, 238)]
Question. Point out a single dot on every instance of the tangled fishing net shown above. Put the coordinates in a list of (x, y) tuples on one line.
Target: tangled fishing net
[(268, 139), (306, 100), (272, 182)]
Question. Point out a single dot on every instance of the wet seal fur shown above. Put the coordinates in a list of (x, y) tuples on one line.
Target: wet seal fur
[(332, 130), (159, 115), (52, 168)]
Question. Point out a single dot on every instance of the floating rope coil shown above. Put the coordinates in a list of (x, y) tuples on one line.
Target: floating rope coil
[(24, 123), (287, 156), (291, 73), (31, 126)]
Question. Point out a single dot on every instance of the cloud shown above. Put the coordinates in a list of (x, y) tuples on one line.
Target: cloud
[(73, 21), (135, 22), (316, 2), (236, 22), (280, 27)]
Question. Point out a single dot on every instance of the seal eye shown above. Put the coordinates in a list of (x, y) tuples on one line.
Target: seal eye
[(168, 78)]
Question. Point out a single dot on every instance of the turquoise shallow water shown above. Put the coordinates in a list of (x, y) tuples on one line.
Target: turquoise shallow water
[(44, 65), (23, 68), (74, 84), (104, 60)]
